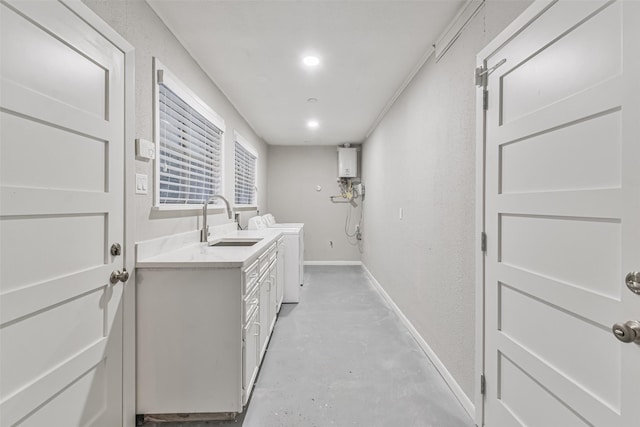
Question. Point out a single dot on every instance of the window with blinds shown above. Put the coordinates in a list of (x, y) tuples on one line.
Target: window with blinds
[(245, 181), (190, 152)]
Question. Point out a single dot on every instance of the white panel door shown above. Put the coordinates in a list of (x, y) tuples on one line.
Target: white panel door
[(61, 209), (562, 216)]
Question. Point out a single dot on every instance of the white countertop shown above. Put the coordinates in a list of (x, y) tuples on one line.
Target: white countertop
[(201, 255)]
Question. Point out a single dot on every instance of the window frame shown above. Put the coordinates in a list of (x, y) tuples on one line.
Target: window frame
[(161, 74), (238, 138)]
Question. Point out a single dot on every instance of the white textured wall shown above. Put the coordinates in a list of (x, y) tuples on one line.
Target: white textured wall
[(294, 173), (141, 27), (421, 157)]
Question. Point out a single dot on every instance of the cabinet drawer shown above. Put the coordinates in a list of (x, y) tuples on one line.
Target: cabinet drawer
[(250, 277), (266, 258), (273, 254), (250, 303)]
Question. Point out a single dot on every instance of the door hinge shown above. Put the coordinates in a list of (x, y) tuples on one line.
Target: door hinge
[(483, 385), (485, 100), (483, 242), (482, 73), (480, 76)]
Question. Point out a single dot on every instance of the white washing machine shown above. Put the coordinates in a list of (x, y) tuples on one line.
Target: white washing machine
[(293, 255)]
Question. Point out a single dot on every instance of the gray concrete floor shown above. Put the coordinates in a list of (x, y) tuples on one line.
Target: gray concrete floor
[(341, 357)]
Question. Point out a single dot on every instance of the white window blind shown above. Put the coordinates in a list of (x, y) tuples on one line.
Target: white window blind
[(245, 181), (190, 168)]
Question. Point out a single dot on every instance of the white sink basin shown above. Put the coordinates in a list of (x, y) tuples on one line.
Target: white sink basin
[(234, 242)]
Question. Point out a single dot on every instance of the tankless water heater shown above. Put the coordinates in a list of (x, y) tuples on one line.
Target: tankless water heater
[(347, 162)]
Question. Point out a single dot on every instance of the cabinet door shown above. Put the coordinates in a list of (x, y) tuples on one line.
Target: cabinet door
[(250, 355), (301, 257), (280, 275), (273, 295), (265, 293)]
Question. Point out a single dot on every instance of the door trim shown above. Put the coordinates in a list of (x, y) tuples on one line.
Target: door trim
[(128, 297), (511, 31), (478, 397)]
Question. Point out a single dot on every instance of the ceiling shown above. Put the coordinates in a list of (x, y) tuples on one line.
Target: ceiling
[(253, 51)]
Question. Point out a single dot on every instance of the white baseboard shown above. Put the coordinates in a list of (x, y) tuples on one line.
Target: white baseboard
[(464, 400), (333, 263)]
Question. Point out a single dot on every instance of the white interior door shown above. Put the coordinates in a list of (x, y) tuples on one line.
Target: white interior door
[(563, 217), (62, 135)]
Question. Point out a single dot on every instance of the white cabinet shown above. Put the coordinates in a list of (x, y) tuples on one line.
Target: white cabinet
[(202, 333), (189, 326)]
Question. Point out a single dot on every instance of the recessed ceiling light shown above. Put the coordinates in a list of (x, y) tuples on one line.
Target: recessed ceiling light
[(312, 100), (313, 124), (311, 61)]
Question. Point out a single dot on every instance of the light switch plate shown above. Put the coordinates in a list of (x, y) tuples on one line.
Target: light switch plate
[(142, 183), (145, 149)]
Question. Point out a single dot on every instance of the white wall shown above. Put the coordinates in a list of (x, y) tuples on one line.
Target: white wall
[(294, 173), (421, 157), (141, 27)]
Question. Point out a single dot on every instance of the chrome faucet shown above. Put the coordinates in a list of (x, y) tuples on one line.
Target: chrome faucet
[(204, 233)]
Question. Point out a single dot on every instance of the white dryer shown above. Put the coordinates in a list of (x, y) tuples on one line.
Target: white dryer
[(270, 221), (293, 255)]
